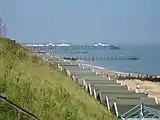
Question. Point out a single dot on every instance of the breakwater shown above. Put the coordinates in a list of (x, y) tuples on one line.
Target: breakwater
[(103, 58), (143, 77), (132, 76)]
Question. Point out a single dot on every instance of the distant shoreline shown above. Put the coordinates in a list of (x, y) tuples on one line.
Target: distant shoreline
[(92, 65)]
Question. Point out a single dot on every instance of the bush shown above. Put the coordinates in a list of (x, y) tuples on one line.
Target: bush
[(42, 89)]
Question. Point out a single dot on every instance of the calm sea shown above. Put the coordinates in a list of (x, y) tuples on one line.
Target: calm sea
[(149, 61)]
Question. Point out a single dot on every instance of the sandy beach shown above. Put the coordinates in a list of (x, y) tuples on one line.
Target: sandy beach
[(153, 87)]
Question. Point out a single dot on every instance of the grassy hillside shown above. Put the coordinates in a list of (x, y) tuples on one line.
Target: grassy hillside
[(42, 89)]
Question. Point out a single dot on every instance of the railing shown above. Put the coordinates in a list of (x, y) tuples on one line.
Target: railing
[(141, 111), (153, 111), (130, 111), (18, 108)]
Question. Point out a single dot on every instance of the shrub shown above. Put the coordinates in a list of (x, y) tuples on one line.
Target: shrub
[(40, 88)]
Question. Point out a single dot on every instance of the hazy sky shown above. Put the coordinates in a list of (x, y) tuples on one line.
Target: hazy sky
[(79, 21)]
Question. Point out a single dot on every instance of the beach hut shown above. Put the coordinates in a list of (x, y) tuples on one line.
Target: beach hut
[(121, 95), (105, 88), (103, 96), (106, 82), (121, 105)]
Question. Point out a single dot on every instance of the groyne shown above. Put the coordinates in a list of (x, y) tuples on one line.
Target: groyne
[(139, 76), (103, 58)]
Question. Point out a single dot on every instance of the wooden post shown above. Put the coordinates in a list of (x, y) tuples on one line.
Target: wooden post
[(18, 115)]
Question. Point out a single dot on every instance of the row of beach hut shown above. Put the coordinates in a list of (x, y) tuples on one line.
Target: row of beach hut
[(117, 98)]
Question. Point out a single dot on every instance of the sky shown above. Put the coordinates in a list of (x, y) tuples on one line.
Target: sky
[(82, 21)]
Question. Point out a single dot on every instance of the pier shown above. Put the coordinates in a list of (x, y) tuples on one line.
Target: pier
[(80, 52), (57, 48), (75, 52), (2, 28)]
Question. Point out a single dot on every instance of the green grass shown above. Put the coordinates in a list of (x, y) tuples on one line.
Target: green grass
[(42, 89)]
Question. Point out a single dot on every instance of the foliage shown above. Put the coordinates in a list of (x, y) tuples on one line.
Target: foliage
[(42, 89)]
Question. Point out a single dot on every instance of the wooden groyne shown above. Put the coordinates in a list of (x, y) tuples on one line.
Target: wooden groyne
[(143, 77), (103, 58)]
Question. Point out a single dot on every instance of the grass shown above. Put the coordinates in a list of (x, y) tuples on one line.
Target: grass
[(42, 89)]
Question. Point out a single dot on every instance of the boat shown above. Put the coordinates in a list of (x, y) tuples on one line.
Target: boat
[(134, 58), (107, 45), (101, 44), (114, 47)]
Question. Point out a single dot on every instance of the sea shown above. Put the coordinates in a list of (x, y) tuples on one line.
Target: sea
[(148, 63)]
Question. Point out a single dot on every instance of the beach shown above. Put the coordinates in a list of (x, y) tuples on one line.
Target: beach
[(153, 87), (126, 96)]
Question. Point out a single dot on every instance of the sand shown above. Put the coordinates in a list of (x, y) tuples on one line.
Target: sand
[(153, 87)]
